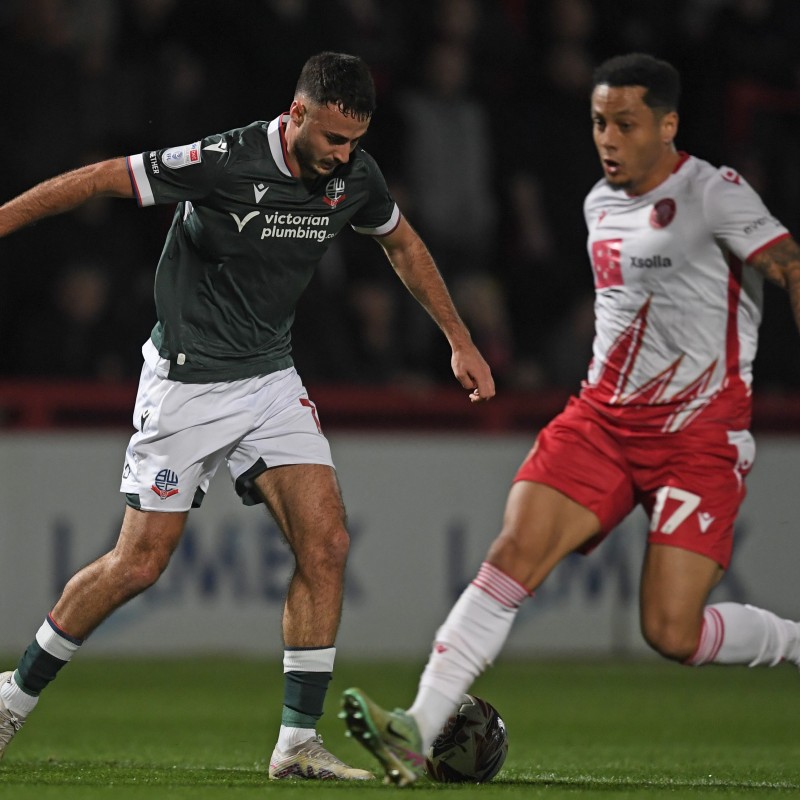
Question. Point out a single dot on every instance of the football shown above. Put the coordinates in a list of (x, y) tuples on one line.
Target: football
[(472, 745)]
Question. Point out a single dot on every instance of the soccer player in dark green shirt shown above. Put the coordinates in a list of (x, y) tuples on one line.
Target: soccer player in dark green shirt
[(256, 208)]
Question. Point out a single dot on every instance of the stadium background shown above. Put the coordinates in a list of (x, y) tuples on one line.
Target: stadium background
[(483, 132)]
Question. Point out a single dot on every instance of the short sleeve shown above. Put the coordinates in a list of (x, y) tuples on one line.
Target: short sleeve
[(187, 172), (737, 216), (380, 214)]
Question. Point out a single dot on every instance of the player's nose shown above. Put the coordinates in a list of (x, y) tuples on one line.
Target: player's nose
[(607, 140), (342, 153)]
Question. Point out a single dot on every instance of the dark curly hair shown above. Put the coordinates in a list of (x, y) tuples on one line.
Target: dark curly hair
[(341, 80), (659, 78)]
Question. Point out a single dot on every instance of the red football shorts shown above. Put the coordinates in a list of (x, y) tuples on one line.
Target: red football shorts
[(690, 483)]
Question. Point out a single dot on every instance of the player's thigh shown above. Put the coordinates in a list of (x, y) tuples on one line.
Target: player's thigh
[(579, 454), (571, 490), (541, 525), (286, 433), (306, 502)]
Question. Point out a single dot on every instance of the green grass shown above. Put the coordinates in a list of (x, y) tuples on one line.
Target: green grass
[(203, 729)]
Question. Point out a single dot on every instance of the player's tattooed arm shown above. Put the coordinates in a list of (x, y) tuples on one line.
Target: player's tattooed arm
[(65, 192), (780, 264)]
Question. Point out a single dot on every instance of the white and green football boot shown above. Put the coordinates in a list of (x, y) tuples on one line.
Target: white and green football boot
[(391, 736)]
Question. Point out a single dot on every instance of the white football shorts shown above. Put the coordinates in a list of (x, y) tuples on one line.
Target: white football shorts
[(185, 430)]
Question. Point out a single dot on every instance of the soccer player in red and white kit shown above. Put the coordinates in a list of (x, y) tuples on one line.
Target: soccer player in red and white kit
[(679, 251)]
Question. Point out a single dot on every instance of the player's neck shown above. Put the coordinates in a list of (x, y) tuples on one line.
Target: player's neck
[(660, 172), (288, 153)]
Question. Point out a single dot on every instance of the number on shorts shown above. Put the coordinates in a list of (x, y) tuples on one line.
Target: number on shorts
[(688, 502)]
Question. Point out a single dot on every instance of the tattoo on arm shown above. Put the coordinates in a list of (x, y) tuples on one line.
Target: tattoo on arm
[(780, 264)]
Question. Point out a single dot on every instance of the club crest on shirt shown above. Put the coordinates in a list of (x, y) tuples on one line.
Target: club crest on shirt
[(663, 213), (334, 192)]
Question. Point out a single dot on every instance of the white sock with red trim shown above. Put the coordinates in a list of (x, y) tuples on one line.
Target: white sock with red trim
[(741, 634), (472, 635)]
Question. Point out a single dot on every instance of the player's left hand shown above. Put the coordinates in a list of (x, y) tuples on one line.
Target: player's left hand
[(473, 373)]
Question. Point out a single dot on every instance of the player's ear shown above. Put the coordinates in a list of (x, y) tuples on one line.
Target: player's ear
[(297, 112), (669, 127)]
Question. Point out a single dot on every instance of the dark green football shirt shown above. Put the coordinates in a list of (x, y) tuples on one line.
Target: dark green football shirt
[(245, 240)]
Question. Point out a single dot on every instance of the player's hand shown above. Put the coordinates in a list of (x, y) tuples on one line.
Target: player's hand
[(473, 373)]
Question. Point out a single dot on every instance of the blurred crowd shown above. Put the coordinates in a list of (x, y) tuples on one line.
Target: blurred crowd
[(482, 131)]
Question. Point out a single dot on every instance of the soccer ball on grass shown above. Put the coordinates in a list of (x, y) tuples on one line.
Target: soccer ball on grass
[(472, 745)]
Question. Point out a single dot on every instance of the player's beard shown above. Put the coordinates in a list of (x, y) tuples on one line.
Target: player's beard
[(618, 183), (310, 167)]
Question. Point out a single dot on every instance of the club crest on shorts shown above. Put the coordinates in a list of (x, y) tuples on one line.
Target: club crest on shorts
[(166, 484)]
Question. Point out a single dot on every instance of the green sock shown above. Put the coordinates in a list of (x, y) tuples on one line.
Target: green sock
[(303, 698)]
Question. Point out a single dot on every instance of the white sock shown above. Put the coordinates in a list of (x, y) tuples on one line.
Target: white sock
[(289, 737), (469, 640), (15, 700), (742, 634)]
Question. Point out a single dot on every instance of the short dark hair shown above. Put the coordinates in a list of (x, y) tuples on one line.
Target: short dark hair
[(660, 79), (341, 80)]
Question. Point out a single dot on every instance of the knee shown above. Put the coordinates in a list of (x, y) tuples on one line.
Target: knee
[(326, 553), (673, 638), (135, 573), (508, 548)]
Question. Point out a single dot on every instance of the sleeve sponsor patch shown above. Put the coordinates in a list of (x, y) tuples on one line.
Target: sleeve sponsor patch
[(177, 157)]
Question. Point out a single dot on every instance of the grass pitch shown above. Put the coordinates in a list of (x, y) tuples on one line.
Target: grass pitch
[(204, 728)]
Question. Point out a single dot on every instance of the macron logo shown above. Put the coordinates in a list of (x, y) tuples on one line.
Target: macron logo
[(260, 191), (705, 519), (218, 147), (240, 223)]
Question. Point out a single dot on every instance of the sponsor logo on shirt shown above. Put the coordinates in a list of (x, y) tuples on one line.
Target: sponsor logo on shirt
[(288, 226), (607, 263), (650, 262), (177, 157), (756, 224)]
